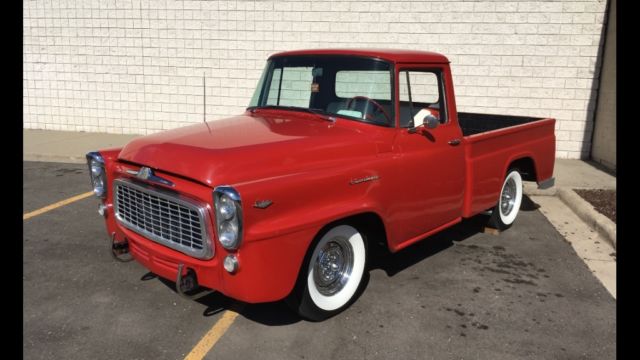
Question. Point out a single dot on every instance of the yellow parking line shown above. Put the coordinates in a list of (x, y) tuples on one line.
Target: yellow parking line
[(208, 340), (212, 336), (56, 205)]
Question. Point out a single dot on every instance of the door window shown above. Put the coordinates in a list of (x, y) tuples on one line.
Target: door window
[(421, 94)]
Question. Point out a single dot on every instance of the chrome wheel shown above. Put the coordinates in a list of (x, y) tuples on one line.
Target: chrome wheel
[(506, 210), (508, 197), (333, 266), (334, 272)]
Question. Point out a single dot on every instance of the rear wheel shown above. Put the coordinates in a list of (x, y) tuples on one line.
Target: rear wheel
[(508, 206), (332, 276)]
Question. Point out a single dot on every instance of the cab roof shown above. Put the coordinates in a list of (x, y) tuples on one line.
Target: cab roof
[(393, 55)]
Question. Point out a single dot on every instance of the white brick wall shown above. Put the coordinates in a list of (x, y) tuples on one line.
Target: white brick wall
[(130, 66)]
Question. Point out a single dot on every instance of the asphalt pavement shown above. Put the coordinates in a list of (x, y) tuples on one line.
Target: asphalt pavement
[(461, 294)]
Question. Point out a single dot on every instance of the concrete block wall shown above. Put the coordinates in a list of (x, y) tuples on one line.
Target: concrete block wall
[(136, 66)]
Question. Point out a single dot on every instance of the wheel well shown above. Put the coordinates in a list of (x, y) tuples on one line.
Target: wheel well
[(370, 225), (526, 168)]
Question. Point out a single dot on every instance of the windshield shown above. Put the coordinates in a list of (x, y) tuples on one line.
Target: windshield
[(349, 87)]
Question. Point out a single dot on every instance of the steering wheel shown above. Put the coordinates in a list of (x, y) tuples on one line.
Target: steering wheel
[(369, 100)]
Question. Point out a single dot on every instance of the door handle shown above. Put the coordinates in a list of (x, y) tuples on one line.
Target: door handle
[(455, 142)]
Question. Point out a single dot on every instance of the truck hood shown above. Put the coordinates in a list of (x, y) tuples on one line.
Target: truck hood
[(252, 147)]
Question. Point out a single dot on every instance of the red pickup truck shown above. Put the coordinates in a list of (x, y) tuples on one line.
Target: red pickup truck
[(339, 151)]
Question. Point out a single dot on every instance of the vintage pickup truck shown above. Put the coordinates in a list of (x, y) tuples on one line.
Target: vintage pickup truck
[(339, 152)]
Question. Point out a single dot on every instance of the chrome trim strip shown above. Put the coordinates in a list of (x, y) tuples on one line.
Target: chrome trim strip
[(364, 179), (207, 251), (550, 182)]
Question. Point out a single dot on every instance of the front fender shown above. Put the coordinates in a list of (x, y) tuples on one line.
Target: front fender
[(278, 237)]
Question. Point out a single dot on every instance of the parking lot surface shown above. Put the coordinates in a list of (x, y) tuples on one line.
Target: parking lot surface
[(462, 294)]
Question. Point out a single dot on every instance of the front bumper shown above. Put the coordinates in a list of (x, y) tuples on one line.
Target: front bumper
[(268, 269)]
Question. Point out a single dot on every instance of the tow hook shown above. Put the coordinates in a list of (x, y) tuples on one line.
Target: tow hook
[(120, 248), (187, 283)]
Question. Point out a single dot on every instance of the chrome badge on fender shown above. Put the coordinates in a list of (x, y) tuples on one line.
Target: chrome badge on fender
[(364, 179)]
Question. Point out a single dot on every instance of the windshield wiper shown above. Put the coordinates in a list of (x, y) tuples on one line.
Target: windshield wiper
[(323, 114)]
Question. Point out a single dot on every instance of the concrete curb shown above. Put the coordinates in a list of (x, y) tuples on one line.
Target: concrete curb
[(531, 189), (588, 214)]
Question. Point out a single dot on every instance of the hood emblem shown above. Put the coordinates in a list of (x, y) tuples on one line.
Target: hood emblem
[(146, 174), (262, 204)]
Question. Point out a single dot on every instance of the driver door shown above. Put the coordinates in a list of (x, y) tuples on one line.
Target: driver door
[(432, 160)]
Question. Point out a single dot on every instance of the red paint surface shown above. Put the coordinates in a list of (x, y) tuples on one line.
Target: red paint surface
[(305, 164)]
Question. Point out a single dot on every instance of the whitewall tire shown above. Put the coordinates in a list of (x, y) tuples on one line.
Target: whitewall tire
[(509, 201), (333, 274)]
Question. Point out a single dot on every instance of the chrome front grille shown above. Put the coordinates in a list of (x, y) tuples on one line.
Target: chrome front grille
[(163, 217)]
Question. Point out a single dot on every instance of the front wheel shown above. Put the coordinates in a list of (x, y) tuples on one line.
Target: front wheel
[(333, 274), (506, 211)]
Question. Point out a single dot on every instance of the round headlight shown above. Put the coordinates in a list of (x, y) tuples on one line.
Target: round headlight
[(96, 168), (98, 188), (228, 234), (228, 215), (227, 208), (97, 174)]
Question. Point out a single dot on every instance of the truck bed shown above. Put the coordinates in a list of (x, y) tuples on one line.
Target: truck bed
[(492, 143), (473, 123)]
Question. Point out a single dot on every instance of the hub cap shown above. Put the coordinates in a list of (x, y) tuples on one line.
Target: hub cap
[(333, 266), (508, 197)]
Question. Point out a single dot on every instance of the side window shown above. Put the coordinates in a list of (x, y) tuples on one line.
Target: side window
[(421, 94), (291, 89)]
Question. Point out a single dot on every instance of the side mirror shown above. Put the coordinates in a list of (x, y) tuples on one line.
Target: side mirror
[(424, 119), (431, 121)]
